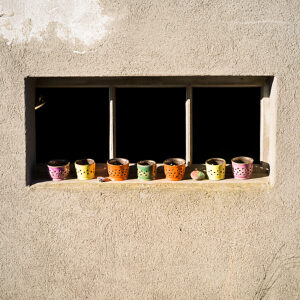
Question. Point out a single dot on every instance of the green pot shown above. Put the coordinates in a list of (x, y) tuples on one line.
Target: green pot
[(146, 169)]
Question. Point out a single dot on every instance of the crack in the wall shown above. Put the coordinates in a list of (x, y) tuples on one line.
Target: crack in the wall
[(273, 272), (81, 21)]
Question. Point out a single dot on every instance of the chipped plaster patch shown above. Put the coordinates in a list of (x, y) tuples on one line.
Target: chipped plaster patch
[(76, 21)]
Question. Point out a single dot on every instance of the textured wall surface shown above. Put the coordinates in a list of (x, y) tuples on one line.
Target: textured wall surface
[(236, 243)]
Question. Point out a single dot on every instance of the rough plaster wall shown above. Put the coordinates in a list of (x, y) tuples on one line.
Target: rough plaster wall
[(141, 243)]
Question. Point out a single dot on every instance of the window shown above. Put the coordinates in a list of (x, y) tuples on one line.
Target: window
[(138, 118), (72, 124), (150, 123), (226, 123)]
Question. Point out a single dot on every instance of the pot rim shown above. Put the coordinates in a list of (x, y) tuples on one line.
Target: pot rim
[(123, 161), (149, 161), (89, 161), (64, 163), (216, 159), (250, 160), (168, 160)]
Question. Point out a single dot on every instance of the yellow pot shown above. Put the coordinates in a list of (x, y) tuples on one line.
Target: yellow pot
[(215, 168), (85, 168)]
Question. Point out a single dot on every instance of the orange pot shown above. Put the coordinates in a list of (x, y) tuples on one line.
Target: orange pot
[(174, 169), (118, 169)]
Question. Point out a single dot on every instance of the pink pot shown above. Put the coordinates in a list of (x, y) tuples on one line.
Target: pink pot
[(58, 169), (242, 167)]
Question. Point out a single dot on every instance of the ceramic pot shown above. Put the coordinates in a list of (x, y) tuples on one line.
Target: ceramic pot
[(58, 169), (215, 168), (85, 168), (174, 168), (118, 169), (242, 167), (146, 169)]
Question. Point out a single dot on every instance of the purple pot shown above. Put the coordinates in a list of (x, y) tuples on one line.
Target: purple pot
[(242, 167), (58, 169)]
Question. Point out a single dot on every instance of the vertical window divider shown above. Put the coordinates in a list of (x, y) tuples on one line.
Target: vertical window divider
[(189, 126), (112, 122), (264, 125)]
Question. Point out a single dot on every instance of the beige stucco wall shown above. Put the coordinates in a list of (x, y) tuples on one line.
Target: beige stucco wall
[(141, 243)]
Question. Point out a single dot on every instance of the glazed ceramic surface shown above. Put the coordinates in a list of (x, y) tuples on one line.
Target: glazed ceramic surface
[(58, 169), (146, 169), (118, 169), (174, 169), (242, 167), (215, 168), (85, 169)]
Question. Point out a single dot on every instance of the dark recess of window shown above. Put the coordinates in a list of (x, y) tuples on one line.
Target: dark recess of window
[(150, 123), (73, 124), (226, 123)]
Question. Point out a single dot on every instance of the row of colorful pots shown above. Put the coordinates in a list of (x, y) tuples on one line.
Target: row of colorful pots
[(242, 168), (174, 168)]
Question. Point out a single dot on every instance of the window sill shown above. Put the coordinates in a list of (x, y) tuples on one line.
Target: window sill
[(259, 180)]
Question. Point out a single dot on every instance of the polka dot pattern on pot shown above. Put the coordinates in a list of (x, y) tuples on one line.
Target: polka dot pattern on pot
[(86, 172), (85, 168), (146, 170), (216, 172), (119, 172), (178, 174), (174, 169), (60, 172), (142, 173), (242, 171), (215, 168), (242, 167), (118, 169)]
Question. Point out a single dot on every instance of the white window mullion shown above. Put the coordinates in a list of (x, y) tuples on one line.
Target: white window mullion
[(189, 126), (264, 124), (112, 122)]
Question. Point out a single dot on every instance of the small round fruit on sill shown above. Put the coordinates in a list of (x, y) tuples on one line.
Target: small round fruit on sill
[(197, 175)]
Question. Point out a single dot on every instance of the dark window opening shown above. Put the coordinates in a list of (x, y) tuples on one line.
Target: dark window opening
[(226, 123), (150, 123), (72, 124)]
